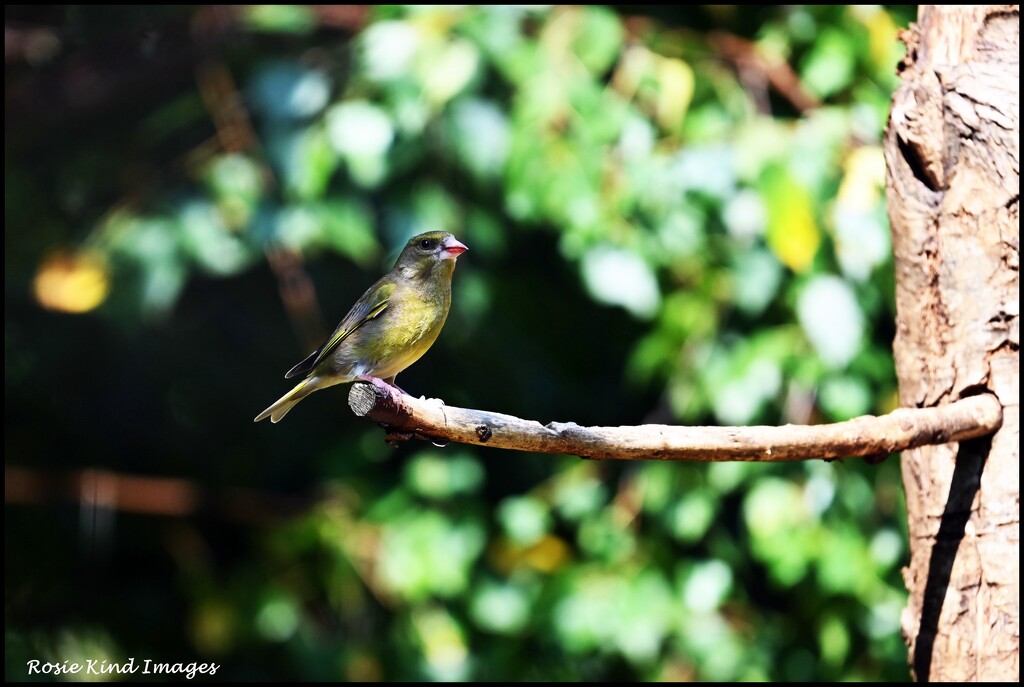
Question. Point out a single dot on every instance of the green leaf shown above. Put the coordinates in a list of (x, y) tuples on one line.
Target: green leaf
[(832, 319), (597, 38), (503, 609), (284, 18), (829, 67), (620, 277), (348, 228), (442, 476), (793, 233), (524, 519)]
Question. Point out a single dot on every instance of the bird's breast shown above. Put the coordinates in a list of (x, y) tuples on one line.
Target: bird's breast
[(405, 331)]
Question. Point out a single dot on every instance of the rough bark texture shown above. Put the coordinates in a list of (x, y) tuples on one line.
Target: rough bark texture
[(953, 152), (406, 417)]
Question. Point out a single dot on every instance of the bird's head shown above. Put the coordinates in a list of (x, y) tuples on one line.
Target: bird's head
[(429, 254)]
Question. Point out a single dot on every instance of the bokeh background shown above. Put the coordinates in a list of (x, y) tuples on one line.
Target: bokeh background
[(674, 214)]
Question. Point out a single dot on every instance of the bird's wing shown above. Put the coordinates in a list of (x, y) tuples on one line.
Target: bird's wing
[(373, 303)]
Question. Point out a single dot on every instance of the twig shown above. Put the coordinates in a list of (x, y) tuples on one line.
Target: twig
[(407, 417), (147, 495), (754, 67), (298, 294), (235, 133)]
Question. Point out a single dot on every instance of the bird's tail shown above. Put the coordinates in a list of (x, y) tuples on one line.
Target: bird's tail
[(282, 405)]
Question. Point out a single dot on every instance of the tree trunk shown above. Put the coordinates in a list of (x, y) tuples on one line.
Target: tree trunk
[(952, 150)]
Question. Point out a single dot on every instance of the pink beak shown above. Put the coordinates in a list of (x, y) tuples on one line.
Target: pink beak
[(452, 249)]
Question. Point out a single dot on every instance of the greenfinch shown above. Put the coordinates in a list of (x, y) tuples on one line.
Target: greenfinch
[(388, 329)]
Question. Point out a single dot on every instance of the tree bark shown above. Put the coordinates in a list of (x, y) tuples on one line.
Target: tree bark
[(405, 417), (953, 157)]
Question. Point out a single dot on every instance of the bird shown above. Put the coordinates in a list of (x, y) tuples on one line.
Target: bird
[(389, 328)]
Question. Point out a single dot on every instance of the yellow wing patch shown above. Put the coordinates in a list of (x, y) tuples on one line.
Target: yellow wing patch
[(342, 333)]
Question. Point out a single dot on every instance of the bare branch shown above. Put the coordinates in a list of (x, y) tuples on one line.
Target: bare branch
[(143, 494), (407, 417), (754, 67)]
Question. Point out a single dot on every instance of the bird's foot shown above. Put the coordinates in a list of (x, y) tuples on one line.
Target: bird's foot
[(390, 381), (436, 401), (393, 392)]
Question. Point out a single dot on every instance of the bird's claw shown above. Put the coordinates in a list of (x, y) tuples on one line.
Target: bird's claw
[(393, 393)]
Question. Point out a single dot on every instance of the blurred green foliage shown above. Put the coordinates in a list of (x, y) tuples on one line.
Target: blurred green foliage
[(674, 215)]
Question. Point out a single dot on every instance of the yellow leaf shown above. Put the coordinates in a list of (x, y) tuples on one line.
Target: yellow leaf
[(863, 180), (449, 70), (677, 81), (883, 46), (664, 84), (547, 555), (74, 283), (793, 234)]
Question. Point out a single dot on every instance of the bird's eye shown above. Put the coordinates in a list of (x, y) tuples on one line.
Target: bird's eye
[(427, 244)]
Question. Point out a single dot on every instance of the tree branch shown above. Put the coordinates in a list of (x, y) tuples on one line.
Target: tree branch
[(406, 418), (749, 62)]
